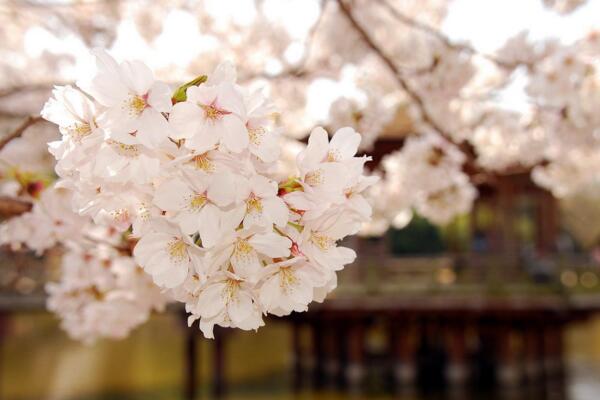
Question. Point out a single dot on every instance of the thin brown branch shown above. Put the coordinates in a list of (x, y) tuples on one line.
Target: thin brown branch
[(418, 25), (11, 207), (19, 130), (419, 102)]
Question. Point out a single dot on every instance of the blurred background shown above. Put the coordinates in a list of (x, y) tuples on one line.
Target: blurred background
[(479, 277)]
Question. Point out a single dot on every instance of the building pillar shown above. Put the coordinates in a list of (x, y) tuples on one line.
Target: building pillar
[(355, 369), (457, 370), (404, 345), (508, 374)]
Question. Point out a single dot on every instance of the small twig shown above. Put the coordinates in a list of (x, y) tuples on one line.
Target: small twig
[(11, 207), (19, 130), (418, 25), (425, 115)]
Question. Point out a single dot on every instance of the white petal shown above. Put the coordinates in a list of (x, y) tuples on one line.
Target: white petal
[(240, 307), (153, 128), (277, 210), (137, 76), (159, 97), (234, 133), (344, 143), (172, 195), (185, 120), (271, 244), (315, 152)]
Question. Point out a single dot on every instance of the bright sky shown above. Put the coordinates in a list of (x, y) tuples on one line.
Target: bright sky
[(488, 23)]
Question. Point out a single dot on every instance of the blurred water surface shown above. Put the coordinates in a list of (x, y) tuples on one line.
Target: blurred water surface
[(38, 361)]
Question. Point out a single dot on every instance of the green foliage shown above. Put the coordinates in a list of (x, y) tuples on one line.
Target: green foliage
[(419, 237)]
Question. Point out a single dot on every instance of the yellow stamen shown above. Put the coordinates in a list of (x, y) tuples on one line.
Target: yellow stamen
[(197, 202), (314, 178), (177, 250), (120, 216), (256, 135), (135, 105), (203, 163), (212, 113), (125, 150), (242, 248), (333, 156), (79, 130), (321, 241), (230, 291), (287, 278), (253, 204)]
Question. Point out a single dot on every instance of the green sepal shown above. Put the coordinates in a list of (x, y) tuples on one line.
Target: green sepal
[(180, 94)]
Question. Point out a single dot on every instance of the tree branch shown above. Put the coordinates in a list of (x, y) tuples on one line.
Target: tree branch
[(418, 25), (425, 115), (19, 130)]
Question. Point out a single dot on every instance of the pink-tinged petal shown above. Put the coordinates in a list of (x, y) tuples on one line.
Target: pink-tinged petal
[(240, 307), (225, 72), (202, 95), (188, 222), (108, 90), (276, 209), (105, 63), (344, 144), (186, 120), (211, 301), (359, 204), (315, 152), (230, 99), (172, 195), (207, 326), (152, 128), (234, 133), (231, 219), (159, 97), (262, 186), (267, 148), (299, 200), (208, 225), (245, 263), (136, 76), (270, 291), (271, 244), (255, 218), (173, 277), (204, 140), (341, 256), (148, 246), (221, 190)]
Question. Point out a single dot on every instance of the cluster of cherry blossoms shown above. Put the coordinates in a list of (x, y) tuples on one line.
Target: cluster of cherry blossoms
[(425, 176), (194, 177), (100, 291)]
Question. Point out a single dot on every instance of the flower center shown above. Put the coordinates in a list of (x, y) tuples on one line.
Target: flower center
[(203, 163), (120, 215), (314, 178), (79, 130), (321, 241), (333, 155), (287, 278), (136, 104), (197, 202), (256, 135), (212, 112), (125, 150), (177, 250), (242, 248), (230, 290), (253, 204)]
